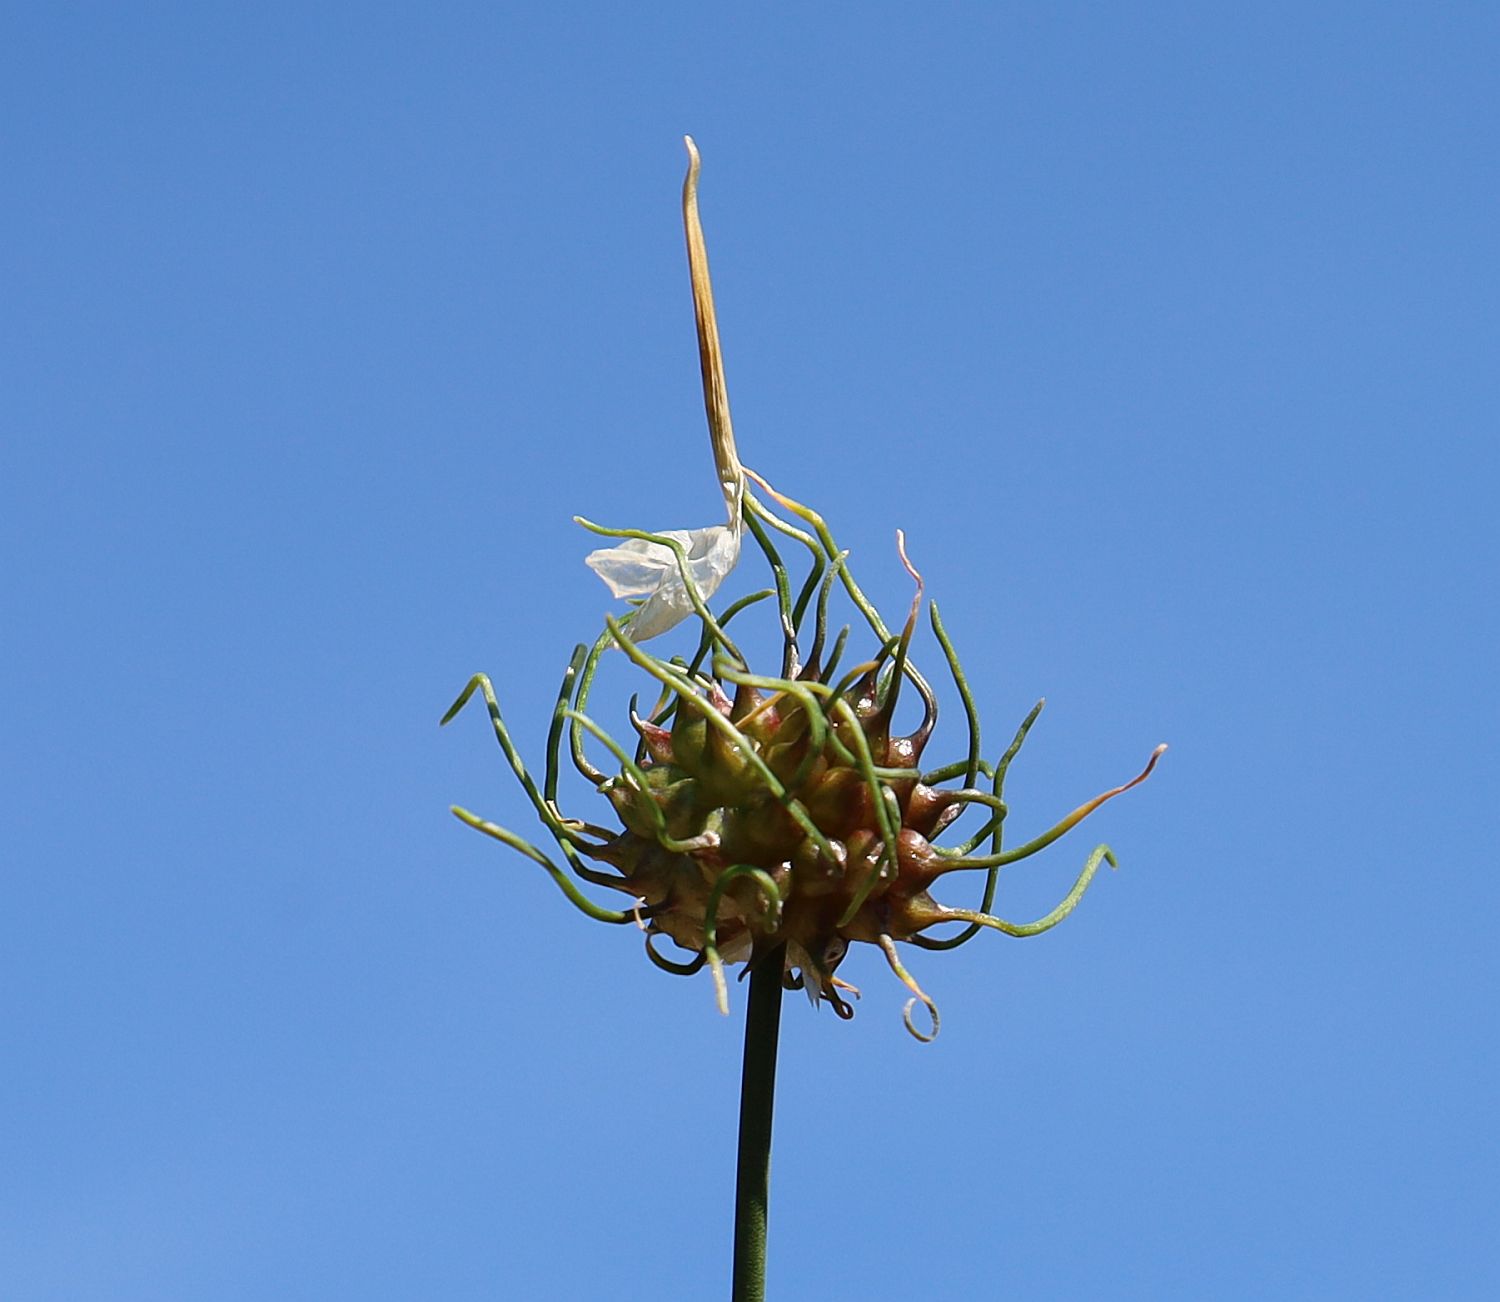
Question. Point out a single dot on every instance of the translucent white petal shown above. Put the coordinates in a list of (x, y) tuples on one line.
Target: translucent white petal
[(636, 568)]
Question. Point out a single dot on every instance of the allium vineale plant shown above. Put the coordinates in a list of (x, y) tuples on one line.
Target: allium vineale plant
[(771, 812)]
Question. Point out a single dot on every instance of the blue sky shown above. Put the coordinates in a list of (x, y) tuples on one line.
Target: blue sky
[(1167, 334)]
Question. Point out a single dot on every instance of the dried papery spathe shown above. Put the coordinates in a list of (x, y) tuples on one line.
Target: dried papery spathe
[(641, 568)]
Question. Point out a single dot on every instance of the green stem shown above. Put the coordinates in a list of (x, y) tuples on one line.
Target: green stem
[(757, 1098)]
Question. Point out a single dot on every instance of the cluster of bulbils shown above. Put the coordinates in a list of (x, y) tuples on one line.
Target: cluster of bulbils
[(769, 818), (780, 814)]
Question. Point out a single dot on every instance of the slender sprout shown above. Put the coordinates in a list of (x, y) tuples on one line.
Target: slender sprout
[(821, 620), (706, 642), (566, 837), (836, 654), (554, 733), (867, 668), (690, 968), (1070, 902), (1071, 821), (814, 575), (831, 550), (991, 878), (789, 665), (580, 702), (564, 882), (888, 947), (971, 711), (666, 705)]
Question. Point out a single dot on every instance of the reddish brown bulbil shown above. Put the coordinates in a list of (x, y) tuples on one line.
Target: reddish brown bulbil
[(839, 879)]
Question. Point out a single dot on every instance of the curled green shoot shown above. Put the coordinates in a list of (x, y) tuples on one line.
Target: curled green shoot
[(971, 711), (888, 948), (866, 667), (1065, 825), (1070, 902), (640, 725), (809, 585), (566, 836), (666, 701), (975, 796), (836, 654), (555, 731), (1014, 749), (820, 624), (998, 774), (969, 796), (580, 702), (706, 642), (691, 968), (789, 665), (564, 882), (831, 551)]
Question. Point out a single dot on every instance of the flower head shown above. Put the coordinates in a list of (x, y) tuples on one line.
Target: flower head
[(773, 817)]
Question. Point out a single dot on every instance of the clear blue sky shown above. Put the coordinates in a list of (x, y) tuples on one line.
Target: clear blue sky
[(1167, 333)]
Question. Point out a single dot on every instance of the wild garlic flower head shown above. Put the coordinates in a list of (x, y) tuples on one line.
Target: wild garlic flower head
[(772, 817)]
